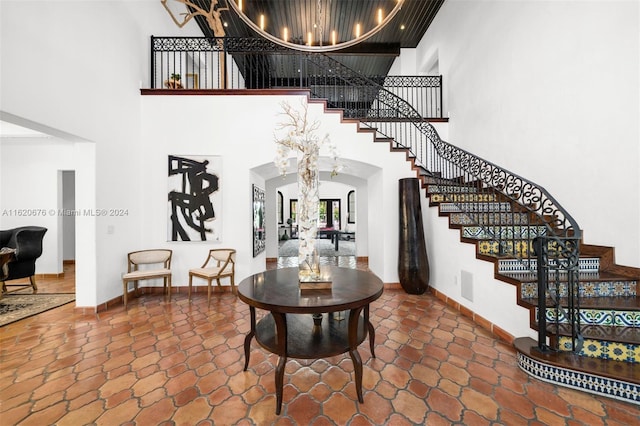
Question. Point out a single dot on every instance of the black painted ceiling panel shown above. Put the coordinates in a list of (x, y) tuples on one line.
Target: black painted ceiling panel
[(373, 57)]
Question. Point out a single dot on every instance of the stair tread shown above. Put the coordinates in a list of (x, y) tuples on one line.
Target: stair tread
[(617, 370), (609, 333)]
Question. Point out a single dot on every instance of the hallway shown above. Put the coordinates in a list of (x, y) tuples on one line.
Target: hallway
[(181, 363)]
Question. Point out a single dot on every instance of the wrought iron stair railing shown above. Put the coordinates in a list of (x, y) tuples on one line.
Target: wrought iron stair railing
[(540, 231)]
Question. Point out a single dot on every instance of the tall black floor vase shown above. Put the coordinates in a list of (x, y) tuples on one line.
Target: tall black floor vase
[(413, 264)]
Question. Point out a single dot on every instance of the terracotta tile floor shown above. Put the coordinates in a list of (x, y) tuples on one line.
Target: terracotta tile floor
[(181, 364)]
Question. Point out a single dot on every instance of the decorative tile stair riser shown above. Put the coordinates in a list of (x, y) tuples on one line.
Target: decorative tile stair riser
[(503, 232), (463, 198), (585, 264), (447, 189), (603, 349), (448, 207), (588, 289), (493, 248), (489, 219)]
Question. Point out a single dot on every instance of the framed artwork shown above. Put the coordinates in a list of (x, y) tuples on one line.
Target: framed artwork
[(194, 198), (259, 242)]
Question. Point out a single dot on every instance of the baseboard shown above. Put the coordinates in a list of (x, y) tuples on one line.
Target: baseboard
[(481, 321), (69, 262), (43, 276), (119, 300)]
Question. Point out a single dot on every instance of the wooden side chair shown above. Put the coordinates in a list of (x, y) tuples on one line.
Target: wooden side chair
[(220, 263), (157, 265)]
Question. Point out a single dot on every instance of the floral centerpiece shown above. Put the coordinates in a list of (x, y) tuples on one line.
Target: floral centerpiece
[(301, 137)]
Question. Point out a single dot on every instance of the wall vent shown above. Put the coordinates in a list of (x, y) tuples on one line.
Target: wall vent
[(466, 285)]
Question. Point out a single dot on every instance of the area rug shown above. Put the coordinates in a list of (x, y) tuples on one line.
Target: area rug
[(326, 248), (14, 307)]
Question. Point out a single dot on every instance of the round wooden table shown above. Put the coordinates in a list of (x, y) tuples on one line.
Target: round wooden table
[(305, 323)]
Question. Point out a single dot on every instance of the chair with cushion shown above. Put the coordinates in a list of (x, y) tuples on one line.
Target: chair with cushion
[(220, 263), (147, 265), (26, 241)]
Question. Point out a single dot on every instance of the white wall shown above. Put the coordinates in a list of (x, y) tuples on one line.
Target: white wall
[(75, 68), (217, 126), (31, 192), (551, 91), (532, 86)]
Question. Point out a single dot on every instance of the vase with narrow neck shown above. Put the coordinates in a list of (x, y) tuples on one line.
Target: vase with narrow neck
[(307, 215)]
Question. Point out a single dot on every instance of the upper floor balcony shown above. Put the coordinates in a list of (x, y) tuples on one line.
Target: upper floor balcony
[(202, 63)]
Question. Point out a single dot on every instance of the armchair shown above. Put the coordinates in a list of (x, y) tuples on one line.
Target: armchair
[(27, 243)]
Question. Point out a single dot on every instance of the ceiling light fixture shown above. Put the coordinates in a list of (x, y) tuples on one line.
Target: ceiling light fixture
[(320, 23)]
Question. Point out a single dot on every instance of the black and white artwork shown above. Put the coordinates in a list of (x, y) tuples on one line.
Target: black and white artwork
[(195, 202), (259, 241)]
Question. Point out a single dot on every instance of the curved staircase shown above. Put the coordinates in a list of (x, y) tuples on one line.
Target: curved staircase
[(608, 360), (591, 334)]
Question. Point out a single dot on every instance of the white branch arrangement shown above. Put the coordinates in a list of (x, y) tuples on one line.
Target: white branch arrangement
[(301, 137)]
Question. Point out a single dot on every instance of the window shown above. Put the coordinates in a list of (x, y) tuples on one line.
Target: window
[(293, 209), (329, 216), (351, 207), (280, 205)]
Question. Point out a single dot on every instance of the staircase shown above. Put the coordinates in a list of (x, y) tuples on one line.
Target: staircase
[(589, 335), (607, 361)]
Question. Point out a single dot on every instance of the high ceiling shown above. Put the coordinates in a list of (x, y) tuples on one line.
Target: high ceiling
[(371, 57)]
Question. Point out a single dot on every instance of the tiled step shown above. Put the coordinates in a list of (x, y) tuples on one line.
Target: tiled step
[(591, 286), (451, 189), (507, 232), (470, 219), (475, 207), (510, 249), (514, 266), (619, 344), (462, 198), (607, 377)]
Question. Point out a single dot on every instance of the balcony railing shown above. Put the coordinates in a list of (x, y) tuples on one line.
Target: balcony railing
[(230, 63)]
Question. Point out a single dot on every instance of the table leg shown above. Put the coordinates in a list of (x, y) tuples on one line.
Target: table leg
[(247, 339), (336, 235), (281, 339), (372, 332), (354, 315)]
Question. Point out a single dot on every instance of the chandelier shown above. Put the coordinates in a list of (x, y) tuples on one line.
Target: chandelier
[(307, 25), (319, 25)]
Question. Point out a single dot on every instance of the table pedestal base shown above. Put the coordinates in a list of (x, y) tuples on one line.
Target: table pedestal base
[(304, 336)]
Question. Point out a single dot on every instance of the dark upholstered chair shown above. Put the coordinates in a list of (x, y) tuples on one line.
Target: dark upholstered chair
[(27, 243)]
